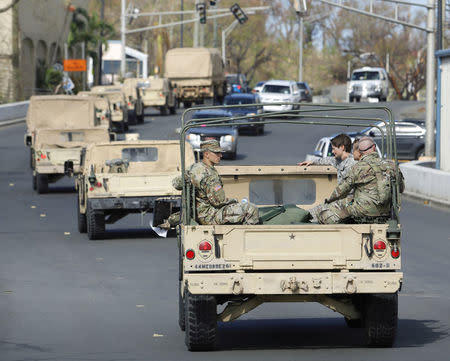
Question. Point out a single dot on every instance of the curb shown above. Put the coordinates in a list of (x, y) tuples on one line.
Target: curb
[(12, 122)]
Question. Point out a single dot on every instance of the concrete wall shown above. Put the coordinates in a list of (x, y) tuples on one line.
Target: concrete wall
[(32, 35)]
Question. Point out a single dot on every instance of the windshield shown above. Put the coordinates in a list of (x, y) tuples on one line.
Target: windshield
[(282, 89), (238, 101), (366, 75), (140, 154)]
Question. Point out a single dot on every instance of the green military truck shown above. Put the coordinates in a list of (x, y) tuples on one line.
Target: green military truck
[(125, 177), (196, 74), (353, 269), (158, 93)]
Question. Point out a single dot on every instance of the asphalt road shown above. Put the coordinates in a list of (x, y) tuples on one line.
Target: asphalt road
[(63, 297)]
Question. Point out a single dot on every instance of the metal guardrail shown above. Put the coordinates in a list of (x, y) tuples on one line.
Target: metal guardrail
[(13, 113)]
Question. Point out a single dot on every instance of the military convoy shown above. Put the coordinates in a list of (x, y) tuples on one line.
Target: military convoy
[(134, 101), (353, 269), (118, 106), (124, 177), (158, 93), (196, 74)]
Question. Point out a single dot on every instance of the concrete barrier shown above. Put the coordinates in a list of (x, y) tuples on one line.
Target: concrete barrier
[(13, 112), (425, 182)]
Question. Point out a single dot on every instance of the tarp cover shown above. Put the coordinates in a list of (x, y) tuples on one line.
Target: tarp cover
[(182, 63), (70, 138)]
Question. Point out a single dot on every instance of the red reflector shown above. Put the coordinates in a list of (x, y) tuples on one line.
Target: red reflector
[(98, 184), (190, 254), (239, 87), (43, 156), (379, 245), (91, 188), (205, 246), (395, 253), (129, 103)]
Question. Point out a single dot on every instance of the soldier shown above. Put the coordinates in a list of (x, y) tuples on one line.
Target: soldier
[(370, 178), (212, 207), (342, 160)]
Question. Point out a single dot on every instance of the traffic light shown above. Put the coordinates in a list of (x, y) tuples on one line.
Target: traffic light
[(238, 13), (201, 9)]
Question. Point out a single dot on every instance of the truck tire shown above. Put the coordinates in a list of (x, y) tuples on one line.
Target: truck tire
[(201, 322), (132, 117), (95, 224), (187, 104), (41, 183), (34, 182), (163, 110), (181, 313), (353, 323), (173, 110), (82, 222), (380, 319)]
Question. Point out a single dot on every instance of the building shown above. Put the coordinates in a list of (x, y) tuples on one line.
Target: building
[(32, 37)]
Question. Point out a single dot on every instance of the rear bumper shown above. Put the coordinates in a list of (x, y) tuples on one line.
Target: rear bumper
[(277, 108), (291, 283), (131, 204)]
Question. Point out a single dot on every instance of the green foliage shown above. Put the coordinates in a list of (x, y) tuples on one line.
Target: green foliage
[(53, 78)]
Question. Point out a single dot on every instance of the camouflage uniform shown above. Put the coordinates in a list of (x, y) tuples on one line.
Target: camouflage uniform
[(342, 166), (212, 207), (361, 178)]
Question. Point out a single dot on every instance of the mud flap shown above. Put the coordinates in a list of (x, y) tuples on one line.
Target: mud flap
[(162, 211)]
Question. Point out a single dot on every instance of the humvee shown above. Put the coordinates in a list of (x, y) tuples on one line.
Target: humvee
[(63, 112), (124, 177), (158, 93), (134, 101), (117, 106), (353, 268), (57, 152)]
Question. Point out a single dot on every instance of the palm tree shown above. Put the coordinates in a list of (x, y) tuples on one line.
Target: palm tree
[(90, 30)]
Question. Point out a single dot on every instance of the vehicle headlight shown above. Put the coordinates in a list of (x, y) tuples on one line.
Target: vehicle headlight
[(228, 138)]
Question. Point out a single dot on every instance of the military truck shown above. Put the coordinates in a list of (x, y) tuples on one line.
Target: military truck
[(124, 177), (63, 112), (117, 105), (158, 93), (134, 101), (196, 74), (353, 268), (57, 152)]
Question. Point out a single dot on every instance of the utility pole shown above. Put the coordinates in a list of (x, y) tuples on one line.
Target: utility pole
[(100, 47), (300, 51), (122, 39), (181, 23), (430, 83)]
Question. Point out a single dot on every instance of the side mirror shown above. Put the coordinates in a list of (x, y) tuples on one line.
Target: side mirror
[(68, 168), (112, 137), (28, 140)]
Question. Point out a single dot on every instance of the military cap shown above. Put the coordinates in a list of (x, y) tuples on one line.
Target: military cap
[(210, 145)]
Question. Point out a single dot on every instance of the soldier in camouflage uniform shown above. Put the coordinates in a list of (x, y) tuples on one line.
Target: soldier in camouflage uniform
[(212, 207), (364, 178), (342, 160)]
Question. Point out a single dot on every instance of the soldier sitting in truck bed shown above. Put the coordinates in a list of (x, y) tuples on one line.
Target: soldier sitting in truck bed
[(212, 205), (371, 180)]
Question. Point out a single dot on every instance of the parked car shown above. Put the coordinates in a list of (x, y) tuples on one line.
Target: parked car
[(258, 87), (236, 83), (226, 136), (279, 91), (305, 91), (240, 99), (410, 138), (368, 82)]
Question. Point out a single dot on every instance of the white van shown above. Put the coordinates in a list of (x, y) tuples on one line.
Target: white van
[(368, 82)]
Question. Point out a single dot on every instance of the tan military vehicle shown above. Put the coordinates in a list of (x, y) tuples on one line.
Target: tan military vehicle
[(117, 104), (353, 269), (158, 93), (134, 101), (58, 152), (196, 74), (63, 112), (124, 177)]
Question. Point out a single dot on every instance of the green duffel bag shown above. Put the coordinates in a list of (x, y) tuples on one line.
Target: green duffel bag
[(286, 214)]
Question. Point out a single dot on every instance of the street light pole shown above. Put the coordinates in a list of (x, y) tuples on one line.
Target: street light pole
[(430, 82), (122, 39), (300, 51), (100, 47), (225, 33)]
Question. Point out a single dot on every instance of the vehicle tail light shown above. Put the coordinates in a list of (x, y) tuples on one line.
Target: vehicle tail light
[(379, 245), (205, 246), (190, 254), (99, 184), (239, 87), (91, 188), (43, 156), (395, 252), (161, 94)]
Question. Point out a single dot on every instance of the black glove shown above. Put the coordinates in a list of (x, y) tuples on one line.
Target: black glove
[(326, 201)]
